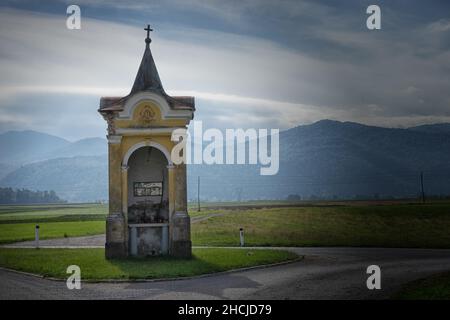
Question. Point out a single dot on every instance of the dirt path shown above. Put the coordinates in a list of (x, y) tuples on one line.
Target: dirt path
[(97, 241)]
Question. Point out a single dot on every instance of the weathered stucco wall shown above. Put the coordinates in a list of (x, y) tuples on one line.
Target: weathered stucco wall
[(129, 162)]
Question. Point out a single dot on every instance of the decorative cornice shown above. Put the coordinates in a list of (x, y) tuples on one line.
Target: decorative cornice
[(110, 120), (114, 139), (141, 131), (160, 101)]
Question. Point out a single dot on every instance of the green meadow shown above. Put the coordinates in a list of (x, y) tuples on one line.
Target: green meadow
[(94, 266), (380, 224), (17, 223), (393, 225), (397, 224)]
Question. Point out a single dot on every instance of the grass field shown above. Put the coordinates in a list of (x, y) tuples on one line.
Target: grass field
[(93, 265), (52, 213), (436, 287), (359, 223), (13, 232), (394, 225), (17, 223)]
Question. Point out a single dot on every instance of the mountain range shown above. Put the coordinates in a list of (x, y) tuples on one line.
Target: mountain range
[(327, 159), (23, 147), (39, 161)]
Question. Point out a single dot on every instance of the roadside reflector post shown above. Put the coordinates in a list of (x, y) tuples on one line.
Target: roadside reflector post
[(241, 236), (36, 236)]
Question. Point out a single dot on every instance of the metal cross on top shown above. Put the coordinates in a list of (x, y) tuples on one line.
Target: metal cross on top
[(148, 29)]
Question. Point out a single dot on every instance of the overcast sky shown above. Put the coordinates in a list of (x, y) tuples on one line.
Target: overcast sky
[(263, 64)]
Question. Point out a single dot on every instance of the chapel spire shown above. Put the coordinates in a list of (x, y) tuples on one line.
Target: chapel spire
[(147, 78)]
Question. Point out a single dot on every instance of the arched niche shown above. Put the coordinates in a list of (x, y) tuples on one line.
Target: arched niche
[(148, 189)]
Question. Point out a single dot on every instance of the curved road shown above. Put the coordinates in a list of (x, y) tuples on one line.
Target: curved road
[(325, 273)]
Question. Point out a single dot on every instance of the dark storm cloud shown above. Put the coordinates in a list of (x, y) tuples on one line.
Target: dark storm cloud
[(276, 63)]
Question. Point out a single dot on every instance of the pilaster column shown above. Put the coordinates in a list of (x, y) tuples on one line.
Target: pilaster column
[(180, 190), (114, 159), (116, 234), (181, 245), (171, 189), (125, 190)]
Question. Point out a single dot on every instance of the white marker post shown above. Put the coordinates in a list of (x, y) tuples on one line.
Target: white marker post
[(36, 236), (241, 236)]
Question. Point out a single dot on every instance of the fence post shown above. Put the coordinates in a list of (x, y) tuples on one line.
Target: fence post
[(36, 236), (241, 237)]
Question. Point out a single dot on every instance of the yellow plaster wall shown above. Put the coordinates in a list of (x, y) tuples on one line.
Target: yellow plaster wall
[(118, 183), (114, 172)]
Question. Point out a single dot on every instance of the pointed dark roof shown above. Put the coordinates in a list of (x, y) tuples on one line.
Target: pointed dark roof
[(147, 77)]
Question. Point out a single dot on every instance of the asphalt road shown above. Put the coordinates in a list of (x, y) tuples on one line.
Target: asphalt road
[(325, 273)]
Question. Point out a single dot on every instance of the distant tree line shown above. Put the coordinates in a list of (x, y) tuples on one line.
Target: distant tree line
[(376, 196), (25, 196)]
